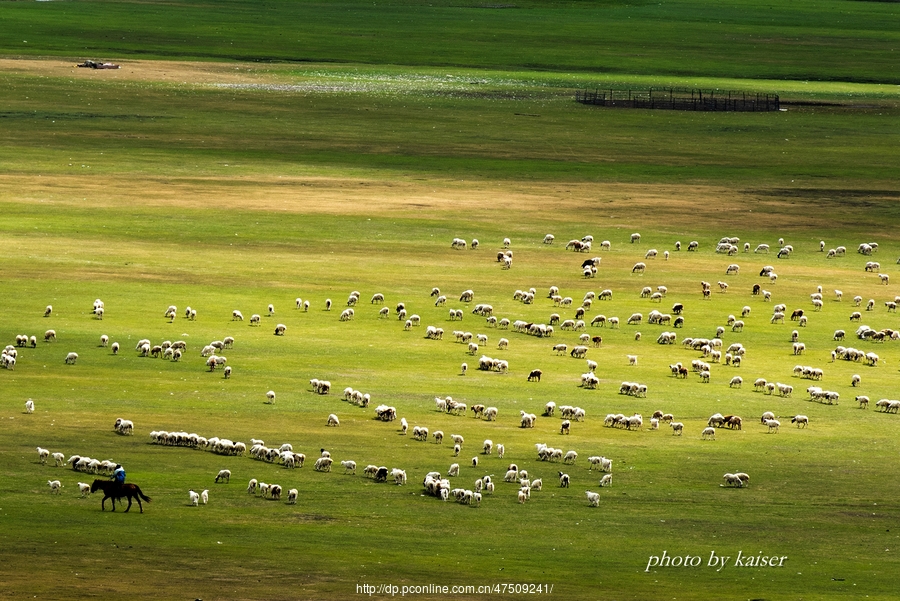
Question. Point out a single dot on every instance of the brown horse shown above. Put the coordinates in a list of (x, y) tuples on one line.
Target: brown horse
[(113, 490)]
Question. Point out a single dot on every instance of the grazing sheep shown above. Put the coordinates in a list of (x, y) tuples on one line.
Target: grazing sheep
[(733, 480), (270, 397), (29, 406), (292, 496), (563, 480), (349, 467), (323, 464), (802, 421), (193, 498), (593, 498), (773, 425), (677, 428), (333, 420), (204, 497), (223, 475), (708, 433), (71, 358), (595, 461), (55, 486)]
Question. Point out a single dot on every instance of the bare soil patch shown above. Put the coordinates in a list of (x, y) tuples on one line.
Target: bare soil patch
[(668, 207), (144, 71)]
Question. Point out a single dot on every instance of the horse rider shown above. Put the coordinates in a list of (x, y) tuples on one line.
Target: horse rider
[(119, 475)]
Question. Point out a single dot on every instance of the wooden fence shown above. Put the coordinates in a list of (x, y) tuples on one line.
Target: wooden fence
[(680, 100)]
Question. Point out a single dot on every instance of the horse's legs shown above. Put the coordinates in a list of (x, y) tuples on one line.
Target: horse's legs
[(103, 504), (139, 504), (113, 498), (129, 504)]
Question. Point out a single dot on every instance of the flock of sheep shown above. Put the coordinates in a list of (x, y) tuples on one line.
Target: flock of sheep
[(438, 484)]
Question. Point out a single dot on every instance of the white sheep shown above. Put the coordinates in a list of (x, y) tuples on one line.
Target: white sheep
[(71, 358), (733, 480), (323, 464), (204, 497), (399, 476), (349, 467), (43, 455), (55, 486), (333, 420), (194, 498), (270, 397)]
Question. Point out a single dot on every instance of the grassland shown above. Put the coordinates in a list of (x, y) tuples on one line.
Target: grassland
[(263, 170)]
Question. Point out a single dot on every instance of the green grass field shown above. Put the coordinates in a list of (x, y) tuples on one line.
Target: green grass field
[(248, 154)]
